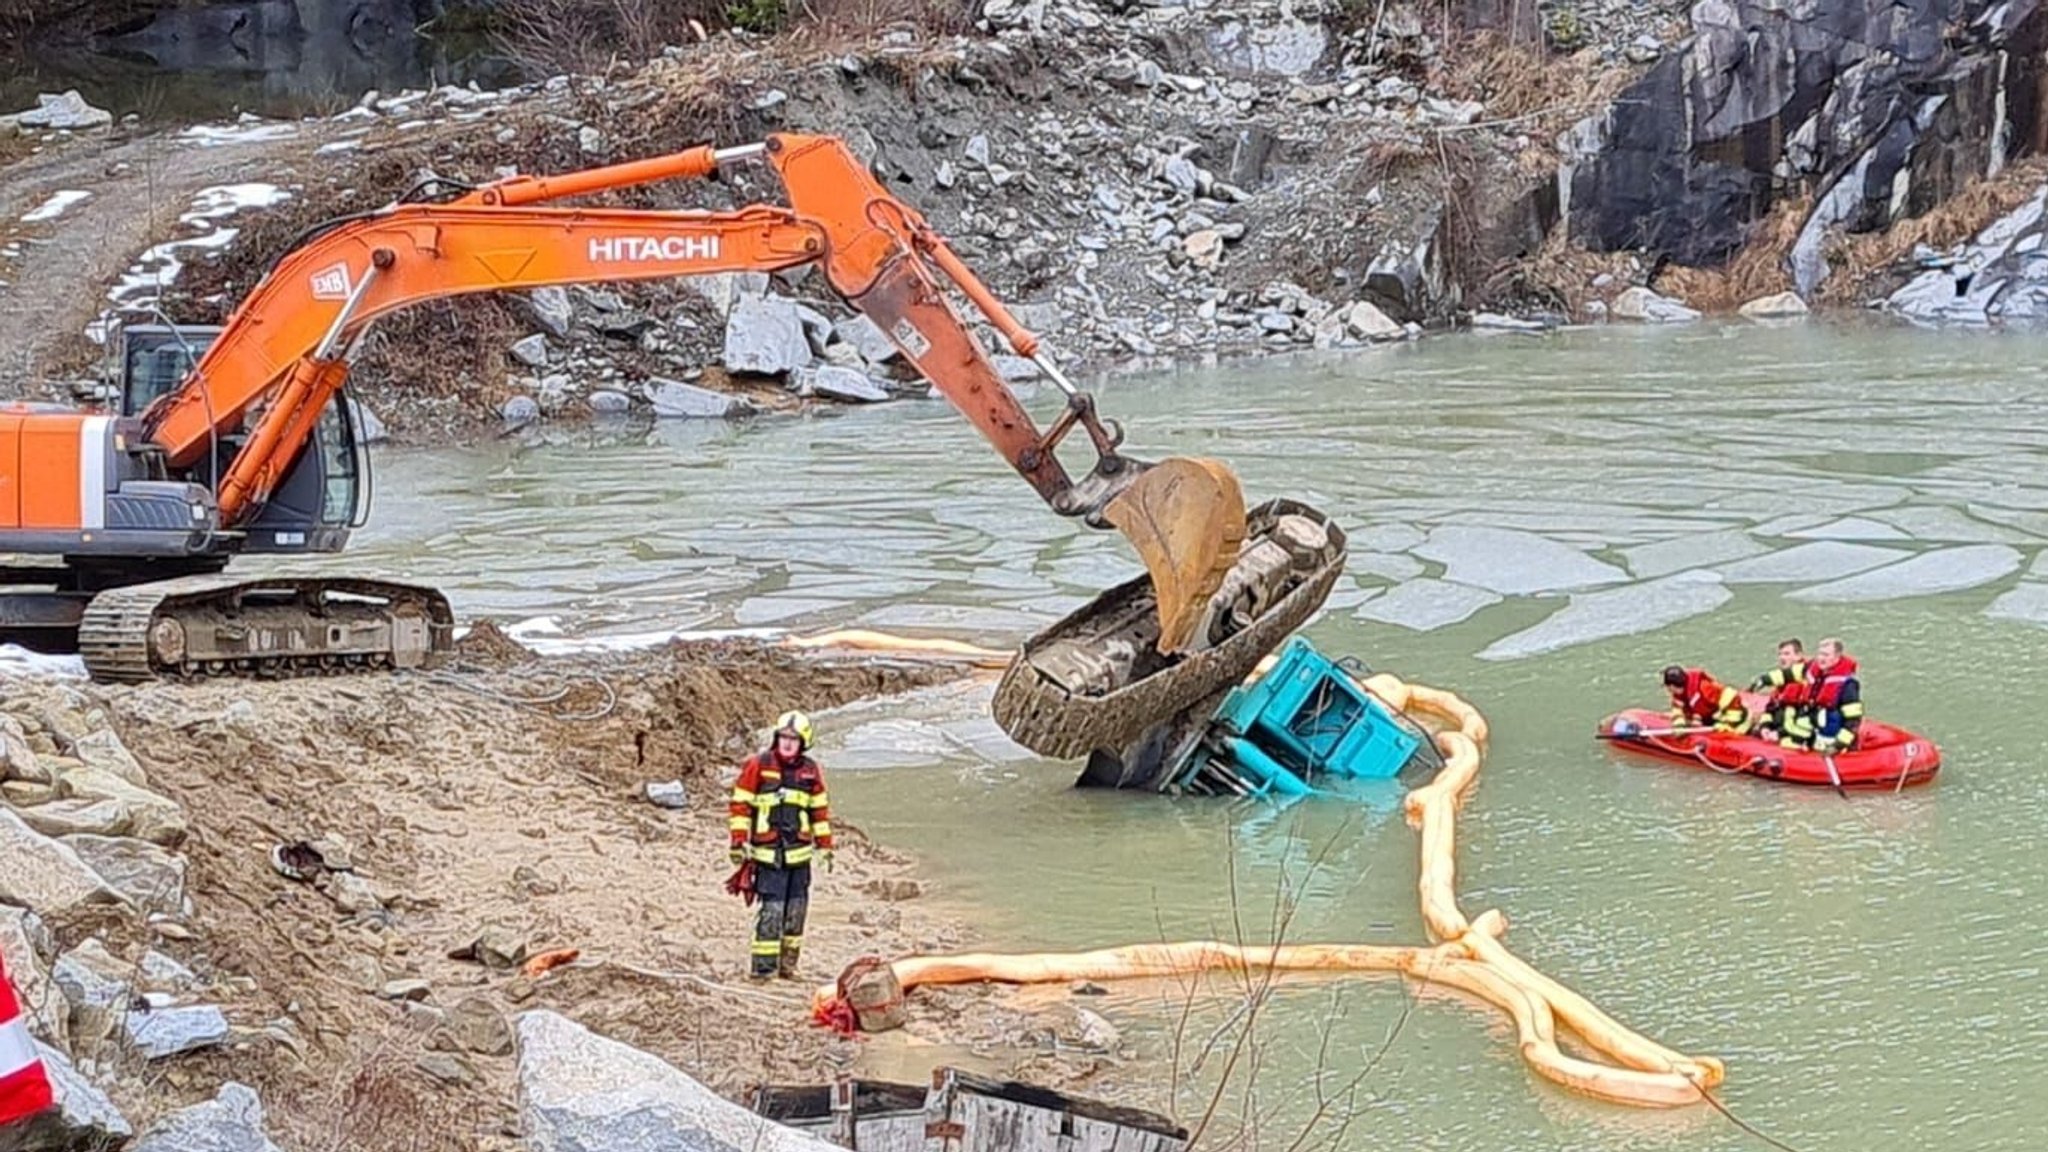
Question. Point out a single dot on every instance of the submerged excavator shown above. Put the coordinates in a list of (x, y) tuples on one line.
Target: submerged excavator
[(239, 440)]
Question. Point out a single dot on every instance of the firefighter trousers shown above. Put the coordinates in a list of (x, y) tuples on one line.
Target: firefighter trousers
[(785, 895)]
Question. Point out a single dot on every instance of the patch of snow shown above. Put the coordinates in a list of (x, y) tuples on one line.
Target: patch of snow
[(337, 146), (58, 204), (18, 661), (218, 135), (160, 265)]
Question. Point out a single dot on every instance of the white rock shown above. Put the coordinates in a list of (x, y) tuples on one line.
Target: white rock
[(162, 972), (44, 874), (580, 1092), (520, 410), (590, 140), (165, 1032), (1642, 305), (607, 402), (70, 817), (28, 949), (68, 112), (230, 1122), (673, 399), (1784, 305), (667, 794), (1367, 322), (1204, 247), (724, 289), (874, 346), (83, 1117), (552, 311), (765, 336), (839, 384), (531, 351), (102, 749), (153, 879), (151, 817)]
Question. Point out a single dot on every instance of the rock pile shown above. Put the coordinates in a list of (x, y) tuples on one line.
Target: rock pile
[(84, 841)]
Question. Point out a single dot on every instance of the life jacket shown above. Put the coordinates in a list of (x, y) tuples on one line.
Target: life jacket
[(1700, 696), (1825, 688)]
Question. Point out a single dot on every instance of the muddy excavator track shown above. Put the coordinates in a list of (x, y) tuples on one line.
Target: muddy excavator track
[(1041, 706), (205, 626)]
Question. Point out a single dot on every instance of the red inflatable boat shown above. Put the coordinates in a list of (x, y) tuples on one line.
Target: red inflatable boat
[(1884, 756)]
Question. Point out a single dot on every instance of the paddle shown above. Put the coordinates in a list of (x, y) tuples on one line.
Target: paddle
[(1834, 777)]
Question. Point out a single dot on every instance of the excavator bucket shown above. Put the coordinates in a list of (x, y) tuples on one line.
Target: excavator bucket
[(1186, 518)]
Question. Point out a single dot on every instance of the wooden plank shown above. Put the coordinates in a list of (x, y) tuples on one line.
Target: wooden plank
[(1058, 1102)]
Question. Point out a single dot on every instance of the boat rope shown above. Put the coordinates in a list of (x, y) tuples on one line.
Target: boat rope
[(1467, 955)]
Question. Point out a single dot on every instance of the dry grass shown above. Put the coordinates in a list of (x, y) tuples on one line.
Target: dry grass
[(549, 37), (1759, 268), (1859, 261), (1542, 92)]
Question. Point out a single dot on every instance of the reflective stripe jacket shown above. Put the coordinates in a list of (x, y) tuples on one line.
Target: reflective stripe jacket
[(780, 809), (1787, 686), (1705, 700)]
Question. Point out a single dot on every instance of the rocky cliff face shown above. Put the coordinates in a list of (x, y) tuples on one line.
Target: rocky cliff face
[(1877, 109)]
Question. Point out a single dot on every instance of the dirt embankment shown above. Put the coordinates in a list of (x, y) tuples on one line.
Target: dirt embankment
[(499, 799)]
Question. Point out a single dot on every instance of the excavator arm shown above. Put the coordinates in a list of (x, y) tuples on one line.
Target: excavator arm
[(286, 349)]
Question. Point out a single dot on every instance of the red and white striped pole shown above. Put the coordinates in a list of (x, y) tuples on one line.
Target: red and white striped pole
[(24, 1085)]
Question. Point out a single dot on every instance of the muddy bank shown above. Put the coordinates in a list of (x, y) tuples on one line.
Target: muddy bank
[(484, 813)]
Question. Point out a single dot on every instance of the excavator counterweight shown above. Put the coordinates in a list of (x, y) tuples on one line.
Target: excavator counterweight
[(247, 446)]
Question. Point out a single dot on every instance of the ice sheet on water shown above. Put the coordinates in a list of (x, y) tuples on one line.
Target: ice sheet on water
[(544, 634), (1386, 537), (1389, 565), (1928, 574), (757, 610), (973, 624), (1664, 557), (1849, 528), (1348, 595), (1947, 525), (929, 727), (2026, 603), (1788, 524), (58, 204), (1637, 608), (1820, 560), (1426, 605), (1513, 563)]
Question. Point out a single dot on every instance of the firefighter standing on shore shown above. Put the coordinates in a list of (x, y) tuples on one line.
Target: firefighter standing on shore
[(780, 822)]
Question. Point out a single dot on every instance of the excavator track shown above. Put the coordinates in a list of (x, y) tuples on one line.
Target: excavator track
[(1096, 678), (206, 626)]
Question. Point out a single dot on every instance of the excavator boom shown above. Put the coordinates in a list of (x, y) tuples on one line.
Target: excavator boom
[(214, 455)]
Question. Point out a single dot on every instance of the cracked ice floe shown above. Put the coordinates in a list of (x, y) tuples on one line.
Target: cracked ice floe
[(1820, 560), (1386, 538), (1637, 608), (1947, 525), (1387, 565), (1848, 528), (58, 204), (1513, 563), (159, 266), (1425, 605), (1930, 573), (1675, 555), (2026, 603), (924, 728)]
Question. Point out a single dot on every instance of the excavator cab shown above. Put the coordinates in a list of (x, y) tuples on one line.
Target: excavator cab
[(324, 494)]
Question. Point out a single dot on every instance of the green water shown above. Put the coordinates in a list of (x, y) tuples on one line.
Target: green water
[(1870, 971)]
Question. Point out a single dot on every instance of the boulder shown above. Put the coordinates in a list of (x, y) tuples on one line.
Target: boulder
[(165, 974), (28, 949), (18, 760), (103, 750), (520, 410), (673, 399), (1367, 322), (42, 874), (531, 351), (724, 289), (607, 402), (551, 310), (839, 384), (1642, 305), (580, 1092), (1781, 306), (765, 335), (477, 1026), (230, 1122), (97, 988), (151, 817), (68, 112), (70, 817), (153, 879), (874, 346), (160, 1033), (83, 1120)]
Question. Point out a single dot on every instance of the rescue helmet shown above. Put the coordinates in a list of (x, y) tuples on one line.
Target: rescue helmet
[(796, 724), (1674, 677)]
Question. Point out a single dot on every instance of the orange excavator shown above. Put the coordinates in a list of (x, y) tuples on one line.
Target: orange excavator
[(248, 447)]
